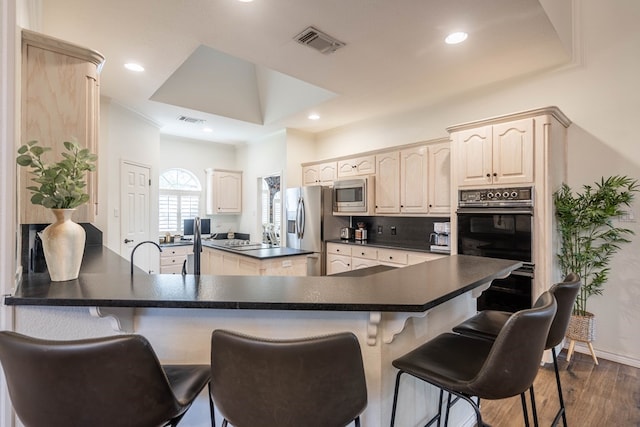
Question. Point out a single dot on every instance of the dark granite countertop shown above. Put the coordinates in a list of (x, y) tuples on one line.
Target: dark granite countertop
[(105, 281)]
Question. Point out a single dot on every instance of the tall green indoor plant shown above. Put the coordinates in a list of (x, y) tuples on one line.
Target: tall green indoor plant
[(588, 236)]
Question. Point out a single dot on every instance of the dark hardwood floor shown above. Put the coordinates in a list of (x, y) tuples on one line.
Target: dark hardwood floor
[(607, 395)]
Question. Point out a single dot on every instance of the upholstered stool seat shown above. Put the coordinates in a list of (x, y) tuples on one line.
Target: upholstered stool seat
[(97, 382), (311, 382), (470, 366)]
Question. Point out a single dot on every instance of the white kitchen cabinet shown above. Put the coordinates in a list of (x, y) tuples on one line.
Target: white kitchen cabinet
[(387, 183), (414, 191), (393, 257), (338, 264), (528, 148), (223, 192), (225, 263), (365, 165), (363, 257), (320, 174), (439, 179), (339, 249), (418, 257), (500, 154), (60, 102), (414, 181), (343, 257), (172, 258)]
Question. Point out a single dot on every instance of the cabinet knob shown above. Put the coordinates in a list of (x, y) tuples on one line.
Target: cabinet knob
[(495, 174), (488, 175)]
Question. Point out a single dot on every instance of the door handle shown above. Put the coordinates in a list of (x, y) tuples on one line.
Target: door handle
[(128, 241)]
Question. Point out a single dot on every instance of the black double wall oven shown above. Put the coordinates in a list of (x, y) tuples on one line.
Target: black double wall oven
[(498, 223)]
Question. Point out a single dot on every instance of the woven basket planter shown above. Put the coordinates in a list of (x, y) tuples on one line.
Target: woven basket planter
[(582, 328)]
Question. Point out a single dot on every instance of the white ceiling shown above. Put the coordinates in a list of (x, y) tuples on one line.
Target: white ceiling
[(237, 66)]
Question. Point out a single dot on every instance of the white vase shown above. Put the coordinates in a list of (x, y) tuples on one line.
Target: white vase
[(63, 245)]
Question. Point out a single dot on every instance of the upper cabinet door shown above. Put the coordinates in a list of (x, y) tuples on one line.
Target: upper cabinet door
[(414, 189), (224, 192), (474, 156), (60, 102), (319, 174), (513, 152), (500, 154), (440, 178), (387, 183), (365, 165)]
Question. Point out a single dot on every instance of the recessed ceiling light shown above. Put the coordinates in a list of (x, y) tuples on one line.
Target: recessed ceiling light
[(314, 117), (134, 67), (207, 130), (455, 38)]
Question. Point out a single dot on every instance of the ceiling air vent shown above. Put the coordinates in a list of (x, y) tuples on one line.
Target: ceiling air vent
[(318, 40), (188, 119)]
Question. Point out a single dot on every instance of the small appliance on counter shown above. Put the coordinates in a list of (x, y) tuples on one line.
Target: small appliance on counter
[(361, 232), (347, 233), (439, 239)]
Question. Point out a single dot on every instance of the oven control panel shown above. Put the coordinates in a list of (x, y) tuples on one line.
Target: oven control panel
[(517, 196)]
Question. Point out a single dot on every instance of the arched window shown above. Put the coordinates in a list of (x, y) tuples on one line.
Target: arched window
[(179, 196)]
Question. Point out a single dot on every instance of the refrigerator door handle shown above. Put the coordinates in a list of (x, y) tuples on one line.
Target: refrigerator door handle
[(302, 217), (298, 217)]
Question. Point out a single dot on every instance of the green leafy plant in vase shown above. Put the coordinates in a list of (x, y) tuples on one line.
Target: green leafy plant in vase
[(589, 239), (61, 187)]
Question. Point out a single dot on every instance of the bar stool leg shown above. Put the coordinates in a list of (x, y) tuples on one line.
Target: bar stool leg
[(211, 410), (524, 409), (533, 406), (562, 411), (395, 399)]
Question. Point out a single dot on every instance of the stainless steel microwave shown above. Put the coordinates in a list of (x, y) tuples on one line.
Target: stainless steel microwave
[(353, 196)]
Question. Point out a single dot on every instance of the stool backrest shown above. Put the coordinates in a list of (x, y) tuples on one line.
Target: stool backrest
[(309, 382), (565, 293), (515, 356), (110, 381)]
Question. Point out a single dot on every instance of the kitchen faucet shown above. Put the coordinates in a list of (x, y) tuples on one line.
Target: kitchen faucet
[(197, 246), (137, 246)]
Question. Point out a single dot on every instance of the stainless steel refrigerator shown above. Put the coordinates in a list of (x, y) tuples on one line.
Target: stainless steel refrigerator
[(310, 223)]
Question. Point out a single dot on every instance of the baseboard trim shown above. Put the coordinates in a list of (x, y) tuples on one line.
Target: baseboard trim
[(629, 361)]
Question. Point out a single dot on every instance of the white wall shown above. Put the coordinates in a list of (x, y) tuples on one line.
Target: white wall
[(195, 156), (600, 96), (262, 157), (301, 148), (124, 135)]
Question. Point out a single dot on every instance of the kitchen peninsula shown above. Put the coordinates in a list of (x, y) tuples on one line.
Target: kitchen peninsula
[(390, 311)]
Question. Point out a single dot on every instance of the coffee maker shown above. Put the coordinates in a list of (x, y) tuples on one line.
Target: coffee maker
[(439, 239)]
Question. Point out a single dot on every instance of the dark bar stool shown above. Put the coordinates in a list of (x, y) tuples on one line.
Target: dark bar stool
[(488, 324), (97, 382), (469, 366), (307, 382)]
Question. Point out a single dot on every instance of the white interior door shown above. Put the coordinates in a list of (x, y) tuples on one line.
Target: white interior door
[(134, 216)]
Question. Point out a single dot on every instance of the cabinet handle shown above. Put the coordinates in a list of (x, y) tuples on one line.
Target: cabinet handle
[(128, 241)]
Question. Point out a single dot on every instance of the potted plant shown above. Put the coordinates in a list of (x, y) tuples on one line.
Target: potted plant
[(589, 239), (61, 187)]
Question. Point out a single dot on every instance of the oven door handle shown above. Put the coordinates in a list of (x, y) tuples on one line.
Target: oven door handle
[(502, 211)]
